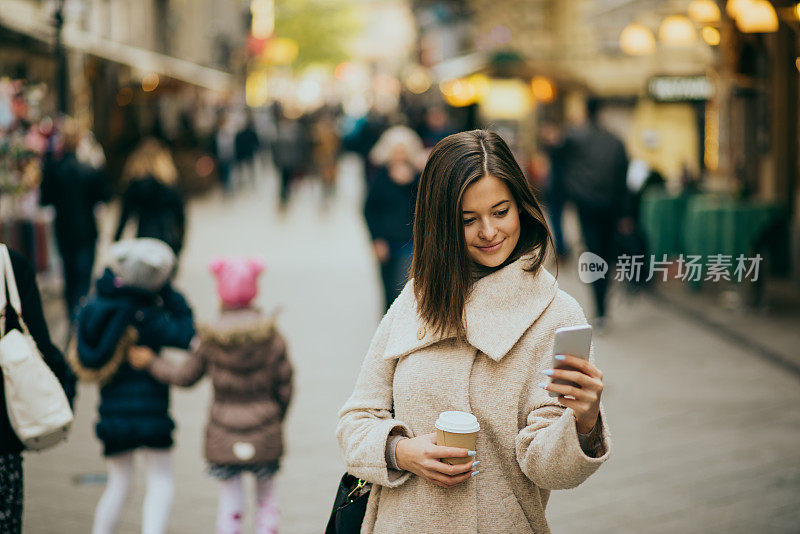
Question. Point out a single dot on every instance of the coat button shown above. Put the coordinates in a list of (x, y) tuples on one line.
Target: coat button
[(421, 332)]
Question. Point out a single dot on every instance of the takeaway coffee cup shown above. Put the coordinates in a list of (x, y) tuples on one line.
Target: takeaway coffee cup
[(457, 429)]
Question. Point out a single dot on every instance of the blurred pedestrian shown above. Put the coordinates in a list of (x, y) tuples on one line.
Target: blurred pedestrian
[(555, 191), (473, 331), (642, 181), (11, 475), (245, 356), (595, 167), (74, 189), (246, 147), (265, 120), (134, 304), (389, 207), (290, 153), (437, 126), (152, 197), (365, 133), (326, 151), (224, 149), (89, 150)]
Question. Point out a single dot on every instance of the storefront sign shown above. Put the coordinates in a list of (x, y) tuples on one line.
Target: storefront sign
[(679, 88)]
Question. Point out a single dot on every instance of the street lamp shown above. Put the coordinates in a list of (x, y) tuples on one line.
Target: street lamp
[(417, 80), (458, 93), (507, 99), (757, 16), (263, 12), (711, 35), (637, 40), (150, 82), (62, 76), (677, 31), (704, 11), (543, 89), (735, 7)]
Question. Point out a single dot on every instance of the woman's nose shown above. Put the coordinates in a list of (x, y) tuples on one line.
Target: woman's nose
[(487, 232)]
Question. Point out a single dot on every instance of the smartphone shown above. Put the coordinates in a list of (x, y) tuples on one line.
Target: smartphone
[(572, 340)]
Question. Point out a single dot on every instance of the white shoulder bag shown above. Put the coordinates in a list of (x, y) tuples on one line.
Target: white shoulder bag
[(37, 406)]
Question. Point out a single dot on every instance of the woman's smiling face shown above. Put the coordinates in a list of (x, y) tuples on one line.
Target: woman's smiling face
[(491, 221)]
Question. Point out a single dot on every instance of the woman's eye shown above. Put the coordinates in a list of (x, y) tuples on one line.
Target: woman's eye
[(467, 222), (502, 213)]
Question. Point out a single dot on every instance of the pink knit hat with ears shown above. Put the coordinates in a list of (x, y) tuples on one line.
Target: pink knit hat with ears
[(237, 278)]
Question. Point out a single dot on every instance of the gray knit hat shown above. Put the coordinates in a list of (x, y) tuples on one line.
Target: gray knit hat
[(144, 263)]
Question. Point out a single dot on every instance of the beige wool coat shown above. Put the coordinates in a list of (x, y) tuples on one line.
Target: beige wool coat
[(528, 444)]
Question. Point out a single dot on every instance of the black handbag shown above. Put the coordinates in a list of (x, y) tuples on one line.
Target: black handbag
[(349, 506)]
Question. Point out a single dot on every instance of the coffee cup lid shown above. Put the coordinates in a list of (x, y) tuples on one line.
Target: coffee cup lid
[(457, 422)]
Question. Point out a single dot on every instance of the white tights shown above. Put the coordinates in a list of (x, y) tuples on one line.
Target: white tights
[(157, 500), (231, 507)]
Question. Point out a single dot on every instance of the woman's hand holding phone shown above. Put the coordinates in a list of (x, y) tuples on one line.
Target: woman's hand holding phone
[(585, 393), (576, 382)]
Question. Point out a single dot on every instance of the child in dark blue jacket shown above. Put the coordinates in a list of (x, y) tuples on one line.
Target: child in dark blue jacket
[(134, 304)]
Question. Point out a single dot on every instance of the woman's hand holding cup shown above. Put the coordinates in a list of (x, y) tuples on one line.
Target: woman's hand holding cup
[(423, 457)]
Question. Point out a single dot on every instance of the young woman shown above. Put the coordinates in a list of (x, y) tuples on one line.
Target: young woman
[(11, 479), (473, 331)]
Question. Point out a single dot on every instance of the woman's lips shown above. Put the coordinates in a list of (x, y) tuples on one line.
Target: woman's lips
[(491, 248)]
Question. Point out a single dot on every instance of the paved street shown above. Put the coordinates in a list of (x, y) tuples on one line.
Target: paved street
[(706, 434)]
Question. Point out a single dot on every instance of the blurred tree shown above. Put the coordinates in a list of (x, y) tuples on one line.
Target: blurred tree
[(322, 29)]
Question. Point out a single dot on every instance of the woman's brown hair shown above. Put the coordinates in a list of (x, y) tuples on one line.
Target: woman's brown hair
[(442, 269)]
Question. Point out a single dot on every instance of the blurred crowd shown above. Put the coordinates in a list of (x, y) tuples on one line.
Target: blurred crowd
[(55, 160)]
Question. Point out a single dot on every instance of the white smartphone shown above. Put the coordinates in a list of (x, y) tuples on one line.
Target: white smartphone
[(572, 340)]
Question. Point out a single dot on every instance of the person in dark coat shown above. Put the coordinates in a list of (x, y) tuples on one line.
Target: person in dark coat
[(74, 189), (152, 197), (134, 303), (291, 153), (223, 146), (11, 487), (389, 207), (159, 210), (594, 167), (246, 145), (555, 193)]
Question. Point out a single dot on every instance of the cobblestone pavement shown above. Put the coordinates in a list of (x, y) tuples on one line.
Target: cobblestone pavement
[(705, 434)]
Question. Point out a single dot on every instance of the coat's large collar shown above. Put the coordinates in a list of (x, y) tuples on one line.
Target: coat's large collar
[(501, 307)]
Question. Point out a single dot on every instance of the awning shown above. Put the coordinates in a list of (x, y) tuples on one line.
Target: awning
[(460, 66), (149, 61), (27, 19), (486, 63)]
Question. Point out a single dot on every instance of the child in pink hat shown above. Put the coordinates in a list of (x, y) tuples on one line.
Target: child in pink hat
[(245, 356), (237, 281)]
